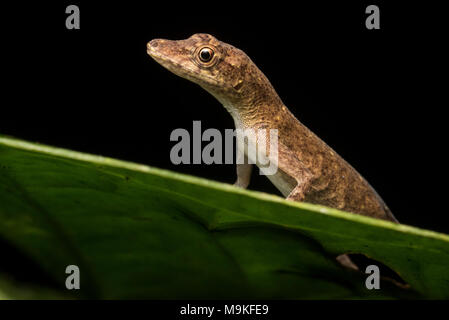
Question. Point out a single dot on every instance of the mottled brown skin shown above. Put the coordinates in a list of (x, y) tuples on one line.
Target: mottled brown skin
[(308, 169)]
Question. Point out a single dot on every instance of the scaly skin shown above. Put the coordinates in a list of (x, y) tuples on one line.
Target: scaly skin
[(308, 169)]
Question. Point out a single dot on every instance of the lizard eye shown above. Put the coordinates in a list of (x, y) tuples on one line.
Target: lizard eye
[(206, 54)]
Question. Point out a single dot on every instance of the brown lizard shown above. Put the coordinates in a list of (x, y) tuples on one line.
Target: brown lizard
[(308, 169)]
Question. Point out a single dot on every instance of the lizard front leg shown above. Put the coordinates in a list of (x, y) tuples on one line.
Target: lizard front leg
[(244, 170), (243, 175)]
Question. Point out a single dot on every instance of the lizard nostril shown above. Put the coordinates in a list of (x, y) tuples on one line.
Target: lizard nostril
[(153, 43)]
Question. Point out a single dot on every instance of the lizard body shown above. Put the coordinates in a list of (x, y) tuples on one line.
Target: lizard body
[(308, 169)]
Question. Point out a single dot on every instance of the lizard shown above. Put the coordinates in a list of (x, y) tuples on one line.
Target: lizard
[(308, 169)]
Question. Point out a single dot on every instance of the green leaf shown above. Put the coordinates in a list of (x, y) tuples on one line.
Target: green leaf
[(10, 290), (140, 232)]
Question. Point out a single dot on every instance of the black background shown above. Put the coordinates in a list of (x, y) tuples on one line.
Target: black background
[(375, 96)]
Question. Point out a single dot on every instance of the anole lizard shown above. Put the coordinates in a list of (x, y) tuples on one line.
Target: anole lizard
[(308, 169)]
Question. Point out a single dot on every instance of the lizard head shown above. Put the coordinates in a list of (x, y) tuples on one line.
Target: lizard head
[(221, 69)]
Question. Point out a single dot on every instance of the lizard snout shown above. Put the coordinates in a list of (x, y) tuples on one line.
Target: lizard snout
[(153, 43), (154, 48)]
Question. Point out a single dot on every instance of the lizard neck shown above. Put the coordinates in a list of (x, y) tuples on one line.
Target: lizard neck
[(256, 104)]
